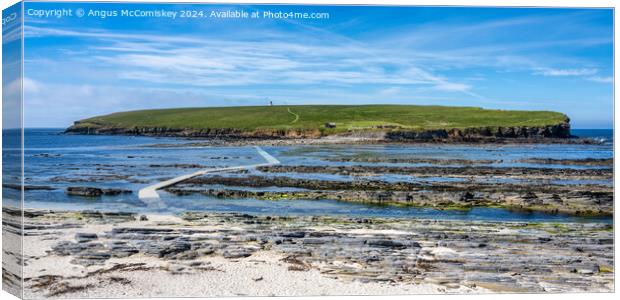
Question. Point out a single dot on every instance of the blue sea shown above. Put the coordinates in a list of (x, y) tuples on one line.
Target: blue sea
[(58, 161)]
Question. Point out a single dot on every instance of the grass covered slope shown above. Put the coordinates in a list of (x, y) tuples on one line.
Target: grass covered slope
[(313, 118)]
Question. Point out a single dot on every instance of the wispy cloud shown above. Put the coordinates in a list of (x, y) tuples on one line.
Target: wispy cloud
[(566, 72), (11, 35), (607, 79), (215, 62), (589, 74)]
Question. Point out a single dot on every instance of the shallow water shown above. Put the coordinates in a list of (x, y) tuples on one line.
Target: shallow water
[(124, 162)]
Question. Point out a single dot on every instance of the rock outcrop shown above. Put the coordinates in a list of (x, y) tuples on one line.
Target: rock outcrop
[(481, 134), (84, 191), (231, 133), (560, 131)]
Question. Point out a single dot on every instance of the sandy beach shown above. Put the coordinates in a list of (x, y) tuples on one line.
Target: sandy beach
[(94, 254), (264, 273)]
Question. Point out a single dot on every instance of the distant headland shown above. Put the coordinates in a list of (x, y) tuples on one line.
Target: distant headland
[(400, 123)]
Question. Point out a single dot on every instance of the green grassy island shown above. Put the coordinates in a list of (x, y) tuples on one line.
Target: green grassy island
[(315, 121)]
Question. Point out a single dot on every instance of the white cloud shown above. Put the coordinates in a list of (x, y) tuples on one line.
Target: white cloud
[(390, 91), (11, 104), (213, 62), (566, 72), (12, 35), (608, 79), (31, 85), (12, 88), (589, 74), (456, 87)]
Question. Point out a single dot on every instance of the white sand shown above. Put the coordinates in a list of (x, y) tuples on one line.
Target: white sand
[(262, 274), (259, 275)]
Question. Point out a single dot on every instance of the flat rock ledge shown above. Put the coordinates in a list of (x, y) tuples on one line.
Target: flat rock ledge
[(582, 200)]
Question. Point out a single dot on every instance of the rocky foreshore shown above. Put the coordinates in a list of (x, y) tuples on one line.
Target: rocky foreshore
[(528, 189), (73, 254), (584, 190)]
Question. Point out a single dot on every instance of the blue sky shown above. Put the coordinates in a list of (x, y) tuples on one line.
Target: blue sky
[(505, 58), (11, 67)]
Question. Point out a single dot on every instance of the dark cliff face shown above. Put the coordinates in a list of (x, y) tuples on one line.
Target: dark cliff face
[(559, 131), (204, 133)]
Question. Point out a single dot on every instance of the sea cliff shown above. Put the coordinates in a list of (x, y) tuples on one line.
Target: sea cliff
[(559, 131), (391, 123)]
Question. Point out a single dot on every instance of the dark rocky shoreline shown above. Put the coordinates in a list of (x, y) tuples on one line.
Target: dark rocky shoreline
[(344, 140), (559, 133)]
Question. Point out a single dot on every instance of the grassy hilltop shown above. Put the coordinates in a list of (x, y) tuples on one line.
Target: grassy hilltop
[(315, 117)]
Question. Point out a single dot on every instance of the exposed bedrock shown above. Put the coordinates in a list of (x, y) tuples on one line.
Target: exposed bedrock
[(576, 162), (466, 171), (595, 162), (191, 132), (481, 134), (377, 185), (84, 191), (578, 200), (552, 131)]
